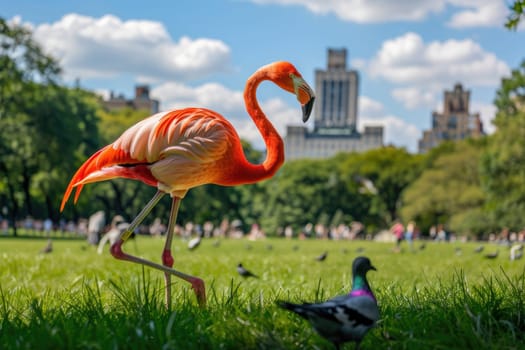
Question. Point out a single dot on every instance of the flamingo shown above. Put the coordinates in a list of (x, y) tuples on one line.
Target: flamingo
[(177, 150)]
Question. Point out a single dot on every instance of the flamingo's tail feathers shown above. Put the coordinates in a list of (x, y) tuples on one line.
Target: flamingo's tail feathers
[(66, 196), (107, 164), (77, 193), (93, 164)]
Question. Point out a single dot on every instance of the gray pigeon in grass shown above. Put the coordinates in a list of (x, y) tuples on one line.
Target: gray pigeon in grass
[(322, 257), (493, 255), (347, 317), (244, 272), (479, 249), (48, 248)]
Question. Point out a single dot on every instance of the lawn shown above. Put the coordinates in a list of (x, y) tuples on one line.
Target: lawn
[(435, 298)]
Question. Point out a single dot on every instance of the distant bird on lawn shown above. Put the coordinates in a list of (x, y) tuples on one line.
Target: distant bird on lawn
[(322, 257), (479, 249), (492, 255), (422, 246), (118, 225), (516, 252), (48, 248), (458, 251), (347, 317), (177, 150), (194, 243), (244, 272)]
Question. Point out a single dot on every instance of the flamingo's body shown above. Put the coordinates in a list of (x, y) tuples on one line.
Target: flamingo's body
[(181, 149)]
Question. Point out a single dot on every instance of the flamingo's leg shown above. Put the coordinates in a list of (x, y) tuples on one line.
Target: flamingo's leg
[(124, 236), (118, 253), (167, 258)]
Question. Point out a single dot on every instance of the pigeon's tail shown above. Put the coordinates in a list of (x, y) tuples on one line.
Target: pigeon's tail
[(298, 309)]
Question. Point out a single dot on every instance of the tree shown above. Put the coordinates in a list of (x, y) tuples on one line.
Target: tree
[(517, 14), (42, 125), (448, 191), (386, 172), (22, 63), (503, 165)]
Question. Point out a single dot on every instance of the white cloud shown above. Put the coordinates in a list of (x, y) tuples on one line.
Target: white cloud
[(396, 131), (362, 11), (479, 13), (103, 47), (409, 60), (466, 13), (421, 71), (230, 104), (370, 107), (413, 98)]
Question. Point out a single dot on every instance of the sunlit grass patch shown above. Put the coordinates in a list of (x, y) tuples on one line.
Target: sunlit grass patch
[(76, 298)]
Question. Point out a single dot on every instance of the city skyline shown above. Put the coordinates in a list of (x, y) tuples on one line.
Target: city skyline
[(201, 53)]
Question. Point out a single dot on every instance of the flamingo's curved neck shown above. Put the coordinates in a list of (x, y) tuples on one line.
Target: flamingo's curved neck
[(274, 143)]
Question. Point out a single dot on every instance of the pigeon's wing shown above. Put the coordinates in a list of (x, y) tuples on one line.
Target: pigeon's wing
[(364, 309), (342, 318), (346, 310)]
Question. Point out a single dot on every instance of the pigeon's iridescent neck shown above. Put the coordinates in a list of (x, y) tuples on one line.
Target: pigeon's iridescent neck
[(361, 288), (362, 292)]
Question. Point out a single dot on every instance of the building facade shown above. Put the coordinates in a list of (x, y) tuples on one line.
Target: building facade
[(454, 123), (141, 100), (335, 122)]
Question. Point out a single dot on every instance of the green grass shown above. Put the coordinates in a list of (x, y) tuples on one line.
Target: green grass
[(74, 298)]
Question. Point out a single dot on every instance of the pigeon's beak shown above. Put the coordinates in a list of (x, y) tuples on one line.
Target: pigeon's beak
[(373, 268)]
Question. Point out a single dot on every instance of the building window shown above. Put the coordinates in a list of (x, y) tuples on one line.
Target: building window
[(452, 122), (472, 125)]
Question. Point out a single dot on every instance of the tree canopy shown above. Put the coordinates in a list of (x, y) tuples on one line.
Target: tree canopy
[(48, 129)]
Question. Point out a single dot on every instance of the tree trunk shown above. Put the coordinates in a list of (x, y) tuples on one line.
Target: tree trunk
[(26, 184), (13, 213)]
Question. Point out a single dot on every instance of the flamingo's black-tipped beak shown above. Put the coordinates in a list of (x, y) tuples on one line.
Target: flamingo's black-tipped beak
[(305, 96), (307, 109)]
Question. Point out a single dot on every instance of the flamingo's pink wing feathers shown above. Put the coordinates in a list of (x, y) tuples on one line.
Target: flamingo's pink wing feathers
[(174, 151)]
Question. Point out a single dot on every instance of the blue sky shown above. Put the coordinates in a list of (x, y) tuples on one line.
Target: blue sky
[(200, 53)]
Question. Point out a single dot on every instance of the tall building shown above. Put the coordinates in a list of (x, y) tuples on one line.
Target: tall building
[(142, 100), (335, 110), (336, 90), (455, 123)]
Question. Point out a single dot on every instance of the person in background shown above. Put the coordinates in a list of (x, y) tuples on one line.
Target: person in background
[(398, 230), (409, 234)]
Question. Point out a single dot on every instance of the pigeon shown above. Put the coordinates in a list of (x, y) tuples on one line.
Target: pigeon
[(244, 273), (516, 252), (492, 255), (322, 256), (347, 317), (422, 246), (194, 243), (48, 248), (479, 249)]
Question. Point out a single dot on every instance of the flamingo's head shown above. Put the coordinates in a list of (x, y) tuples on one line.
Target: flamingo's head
[(288, 78)]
